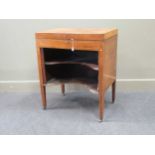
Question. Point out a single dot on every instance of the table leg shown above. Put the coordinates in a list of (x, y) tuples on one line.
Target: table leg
[(101, 83), (63, 88), (42, 77), (113, 91)]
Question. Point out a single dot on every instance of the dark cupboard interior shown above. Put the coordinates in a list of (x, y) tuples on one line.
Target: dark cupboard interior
[(62, 65)]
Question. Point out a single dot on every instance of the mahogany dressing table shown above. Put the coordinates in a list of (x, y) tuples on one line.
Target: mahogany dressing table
[(86, 56)]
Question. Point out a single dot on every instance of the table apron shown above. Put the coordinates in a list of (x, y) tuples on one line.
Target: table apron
[(68, 44)]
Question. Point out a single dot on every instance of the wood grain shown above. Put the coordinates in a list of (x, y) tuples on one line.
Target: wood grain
[(102, 41), (77, 34)]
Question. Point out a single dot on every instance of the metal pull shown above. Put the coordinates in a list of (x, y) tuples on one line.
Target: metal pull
[(72, 45)]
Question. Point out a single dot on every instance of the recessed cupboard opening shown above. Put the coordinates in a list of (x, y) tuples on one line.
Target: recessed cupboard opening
[(65, 66)]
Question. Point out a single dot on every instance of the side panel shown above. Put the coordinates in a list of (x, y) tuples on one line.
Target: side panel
[(110, 47)]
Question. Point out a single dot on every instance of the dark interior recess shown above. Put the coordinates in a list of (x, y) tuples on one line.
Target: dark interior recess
[(68, 55), (71, 72)]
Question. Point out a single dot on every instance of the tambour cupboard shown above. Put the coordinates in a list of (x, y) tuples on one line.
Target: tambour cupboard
[(86, 56)]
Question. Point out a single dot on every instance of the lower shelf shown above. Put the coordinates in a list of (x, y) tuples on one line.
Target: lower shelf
[(92, 85), (72, 73)]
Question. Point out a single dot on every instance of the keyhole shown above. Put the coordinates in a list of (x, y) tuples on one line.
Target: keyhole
[(72, 45)]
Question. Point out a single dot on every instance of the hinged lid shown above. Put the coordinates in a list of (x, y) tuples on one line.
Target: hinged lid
[(77, 34)]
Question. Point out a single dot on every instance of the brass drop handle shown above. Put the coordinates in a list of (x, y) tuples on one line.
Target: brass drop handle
[(72, 45)]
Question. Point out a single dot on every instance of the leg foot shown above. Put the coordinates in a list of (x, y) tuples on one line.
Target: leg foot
[(101, 105), (43, 96)]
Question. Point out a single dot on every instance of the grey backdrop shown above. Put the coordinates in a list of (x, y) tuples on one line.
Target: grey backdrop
[(136, 46)]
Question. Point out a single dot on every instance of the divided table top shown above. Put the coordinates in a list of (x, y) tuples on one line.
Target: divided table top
[(89, 34)]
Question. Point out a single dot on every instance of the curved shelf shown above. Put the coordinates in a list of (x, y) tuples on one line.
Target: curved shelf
[(93, 66), (92, 85)]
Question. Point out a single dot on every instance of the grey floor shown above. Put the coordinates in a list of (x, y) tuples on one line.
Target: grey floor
[(77, 113)]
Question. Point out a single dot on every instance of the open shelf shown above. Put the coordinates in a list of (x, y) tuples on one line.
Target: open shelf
[(65, 66), (92, 85), (93, 66)]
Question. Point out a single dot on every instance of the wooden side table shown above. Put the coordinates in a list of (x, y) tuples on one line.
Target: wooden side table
[(86, 56)]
